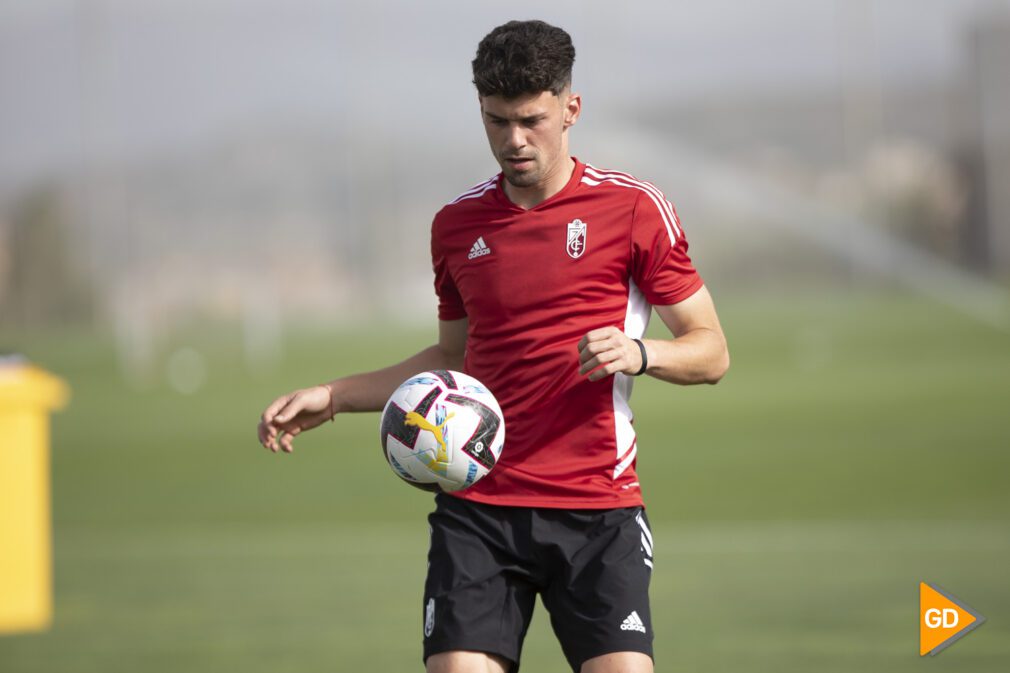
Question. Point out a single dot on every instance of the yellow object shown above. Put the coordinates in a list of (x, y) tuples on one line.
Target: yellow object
[(27, 396)]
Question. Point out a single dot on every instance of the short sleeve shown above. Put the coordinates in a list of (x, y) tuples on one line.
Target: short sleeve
[(661, 267), (450, 303)]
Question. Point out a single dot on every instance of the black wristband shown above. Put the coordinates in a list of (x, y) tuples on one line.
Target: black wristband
[(645, 358)]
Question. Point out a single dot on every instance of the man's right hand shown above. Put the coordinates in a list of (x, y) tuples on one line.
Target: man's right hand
[(291, 414)]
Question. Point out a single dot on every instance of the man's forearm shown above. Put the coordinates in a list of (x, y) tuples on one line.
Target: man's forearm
[(699, 356), (370, 390)]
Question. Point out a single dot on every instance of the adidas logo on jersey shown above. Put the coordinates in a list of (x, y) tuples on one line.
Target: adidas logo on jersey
[(479, 249), (633, 623)]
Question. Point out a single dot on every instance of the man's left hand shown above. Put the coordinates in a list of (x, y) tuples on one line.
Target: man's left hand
[(607, 351)]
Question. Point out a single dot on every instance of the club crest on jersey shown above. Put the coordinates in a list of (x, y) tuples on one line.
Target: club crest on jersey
[(576, 238)]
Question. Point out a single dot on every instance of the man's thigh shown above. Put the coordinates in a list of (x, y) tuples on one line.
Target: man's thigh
[(467, 662), (617, 662), (479, 593), (598, 596)]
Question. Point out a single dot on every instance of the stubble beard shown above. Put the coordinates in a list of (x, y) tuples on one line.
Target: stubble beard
[(527, 179), (523, 179)]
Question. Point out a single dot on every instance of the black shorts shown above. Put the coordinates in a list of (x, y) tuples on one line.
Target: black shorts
[(487, 564)]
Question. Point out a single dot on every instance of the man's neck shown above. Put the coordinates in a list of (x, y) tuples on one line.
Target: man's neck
[(528, 197)]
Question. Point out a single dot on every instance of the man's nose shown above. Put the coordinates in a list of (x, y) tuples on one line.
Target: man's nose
[(517, 137)]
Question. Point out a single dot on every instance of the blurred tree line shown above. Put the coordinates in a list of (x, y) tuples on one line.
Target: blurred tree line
[(42, 281)]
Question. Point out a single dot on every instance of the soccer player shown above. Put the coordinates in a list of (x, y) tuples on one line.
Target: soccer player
[(546, 275)]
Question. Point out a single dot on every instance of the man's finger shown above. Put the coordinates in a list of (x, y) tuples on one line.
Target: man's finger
[(606, 370), (290, 410), (597, 335), (588, 365), (591, 349), (268, 434), (275, 406), (600, 333), (602, 343), (287, 436), (601, 358)]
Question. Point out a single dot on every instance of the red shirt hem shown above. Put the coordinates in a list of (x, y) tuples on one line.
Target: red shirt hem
[(594, 502)]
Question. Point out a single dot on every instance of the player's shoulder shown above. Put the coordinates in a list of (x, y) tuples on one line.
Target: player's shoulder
[(647, 197), (475, 196), (619, 183)]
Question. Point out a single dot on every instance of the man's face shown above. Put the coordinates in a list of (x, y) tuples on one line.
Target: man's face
[(528, 134)]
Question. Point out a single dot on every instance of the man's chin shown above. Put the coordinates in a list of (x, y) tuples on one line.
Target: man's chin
[(527, 179)]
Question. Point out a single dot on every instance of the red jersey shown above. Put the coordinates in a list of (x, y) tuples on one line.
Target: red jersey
[(533, 282)]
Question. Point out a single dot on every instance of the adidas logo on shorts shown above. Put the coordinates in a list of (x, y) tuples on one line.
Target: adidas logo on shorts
[(633, 623)]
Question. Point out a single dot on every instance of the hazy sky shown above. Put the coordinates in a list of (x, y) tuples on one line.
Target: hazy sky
[(124, 78)]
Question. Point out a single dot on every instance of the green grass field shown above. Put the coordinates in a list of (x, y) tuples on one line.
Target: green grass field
[(858, 446)]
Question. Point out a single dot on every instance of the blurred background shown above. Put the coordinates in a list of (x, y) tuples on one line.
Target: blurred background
[(206, 204)]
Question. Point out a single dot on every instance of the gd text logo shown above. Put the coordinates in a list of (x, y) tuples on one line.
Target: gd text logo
[(942, 619)]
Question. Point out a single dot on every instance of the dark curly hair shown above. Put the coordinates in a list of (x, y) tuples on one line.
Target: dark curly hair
[(523, 57)]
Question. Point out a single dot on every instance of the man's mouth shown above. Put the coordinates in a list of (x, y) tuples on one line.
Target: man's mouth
[(519, 162)]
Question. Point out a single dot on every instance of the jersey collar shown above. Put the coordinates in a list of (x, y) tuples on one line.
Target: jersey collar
[(569, 187)]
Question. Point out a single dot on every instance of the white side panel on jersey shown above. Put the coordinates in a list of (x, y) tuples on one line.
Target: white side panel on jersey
[(636, 319), (626, 460)]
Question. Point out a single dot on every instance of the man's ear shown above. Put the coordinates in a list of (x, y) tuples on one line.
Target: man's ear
[(573, 108)]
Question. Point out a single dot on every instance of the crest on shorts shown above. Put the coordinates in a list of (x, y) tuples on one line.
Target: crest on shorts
[(576, 238), (429, 617)]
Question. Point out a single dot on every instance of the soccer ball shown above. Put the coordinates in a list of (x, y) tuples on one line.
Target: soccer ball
[(442, 430)]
